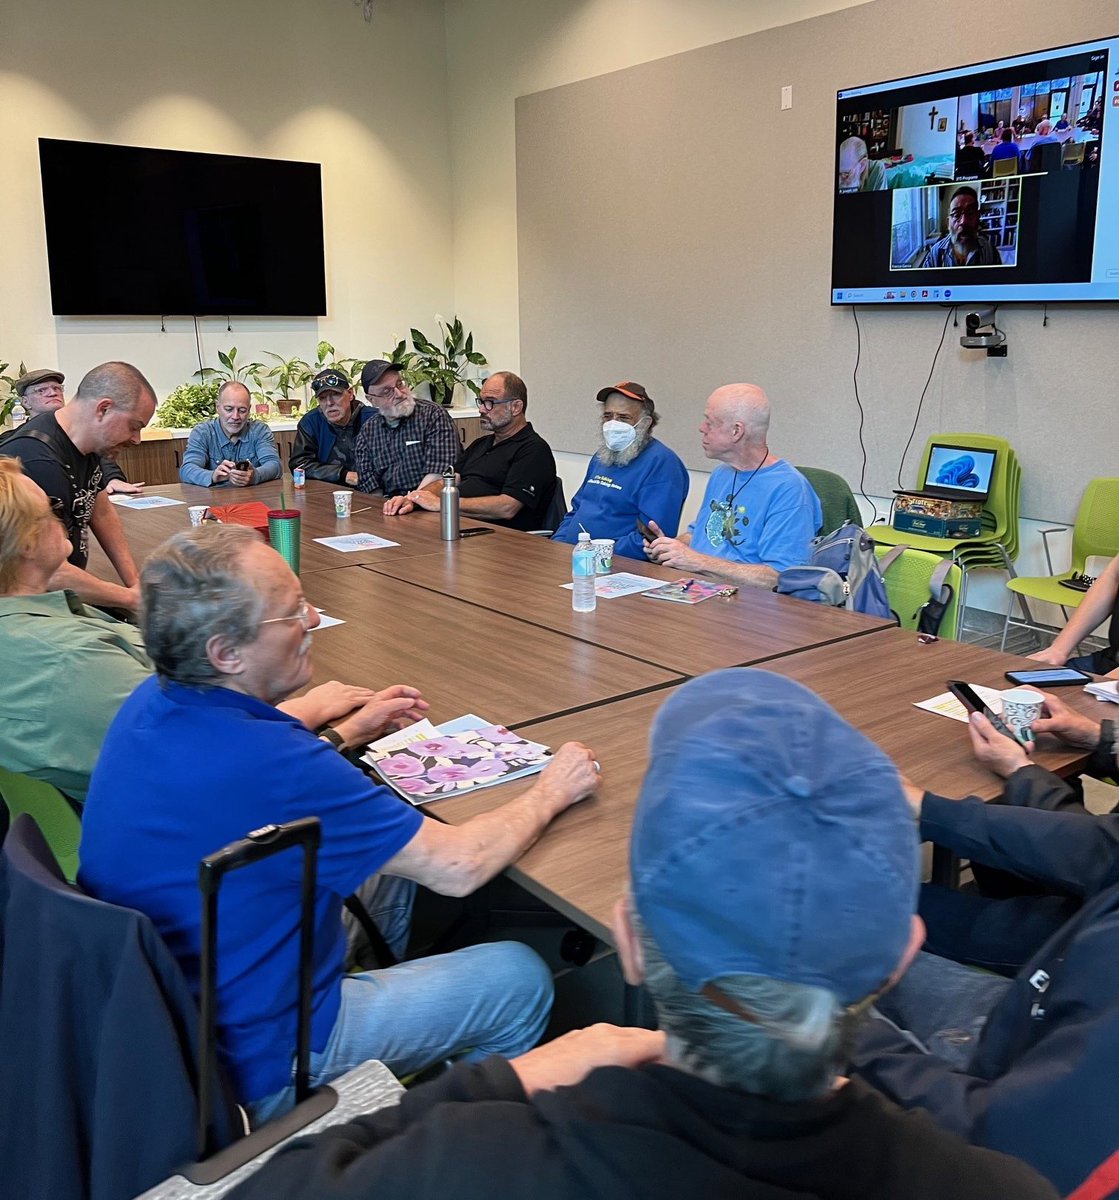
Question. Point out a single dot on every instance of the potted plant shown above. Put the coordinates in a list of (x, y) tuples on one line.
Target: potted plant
[(440, 367), (188, 405), (288, 374), (230, 370)]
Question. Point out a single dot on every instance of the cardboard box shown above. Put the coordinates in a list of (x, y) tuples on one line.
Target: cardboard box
[(941, 527), (935, 506)]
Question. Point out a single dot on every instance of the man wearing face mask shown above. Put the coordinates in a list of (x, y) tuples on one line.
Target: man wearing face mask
[(631, 477), (507, 476)]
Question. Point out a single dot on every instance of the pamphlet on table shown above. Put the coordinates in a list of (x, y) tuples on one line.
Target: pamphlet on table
[(946, 705), (144, 501), (350, 543), (621, 583)]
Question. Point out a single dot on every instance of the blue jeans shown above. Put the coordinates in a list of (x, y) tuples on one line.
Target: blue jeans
[(489, 999), (942, 1006)]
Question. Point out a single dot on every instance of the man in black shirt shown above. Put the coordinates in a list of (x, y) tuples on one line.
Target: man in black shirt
[(61, 451), (774, 868), (506, 477), (324, 438)]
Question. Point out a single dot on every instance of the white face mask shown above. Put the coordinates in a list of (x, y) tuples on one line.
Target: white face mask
[(618, 435)]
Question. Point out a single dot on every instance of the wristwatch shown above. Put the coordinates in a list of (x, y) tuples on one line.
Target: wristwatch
[(329, 734)]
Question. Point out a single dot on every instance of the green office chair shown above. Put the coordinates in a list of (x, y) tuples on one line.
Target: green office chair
[(907, 588), (836, 498), (50, 810), (1096, 534), (995, 547)]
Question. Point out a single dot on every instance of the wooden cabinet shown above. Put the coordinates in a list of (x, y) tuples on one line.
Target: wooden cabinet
[(468, 429)]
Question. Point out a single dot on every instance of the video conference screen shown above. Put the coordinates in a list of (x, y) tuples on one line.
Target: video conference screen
[(982, 183)]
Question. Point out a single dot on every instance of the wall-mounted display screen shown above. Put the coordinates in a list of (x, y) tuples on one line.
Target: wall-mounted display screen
[(982, 183), (139, 232)]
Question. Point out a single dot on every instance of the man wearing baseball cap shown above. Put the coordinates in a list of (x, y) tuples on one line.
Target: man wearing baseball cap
[(41, 391), (409, 442), (325, 436), (631, 477), (774, 872)]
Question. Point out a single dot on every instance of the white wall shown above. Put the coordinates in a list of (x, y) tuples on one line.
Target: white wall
[(272, 78), (498, 50)]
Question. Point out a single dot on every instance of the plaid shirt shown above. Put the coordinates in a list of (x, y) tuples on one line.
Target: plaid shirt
[(393, 459)]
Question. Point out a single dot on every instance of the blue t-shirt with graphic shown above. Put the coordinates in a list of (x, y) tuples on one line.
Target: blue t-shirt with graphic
[(770, 517)]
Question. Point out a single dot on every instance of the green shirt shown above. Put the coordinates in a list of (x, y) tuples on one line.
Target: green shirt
[(67, 669)]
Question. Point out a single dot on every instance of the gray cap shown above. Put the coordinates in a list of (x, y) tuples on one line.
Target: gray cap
[(39, 376)]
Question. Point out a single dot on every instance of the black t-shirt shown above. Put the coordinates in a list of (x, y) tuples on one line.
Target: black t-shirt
[(63, 472), (521, 466)]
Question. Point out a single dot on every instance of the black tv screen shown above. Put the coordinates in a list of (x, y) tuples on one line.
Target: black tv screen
[(140, 232), (992, 182)]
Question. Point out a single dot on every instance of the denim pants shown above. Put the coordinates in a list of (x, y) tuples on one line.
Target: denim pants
[(493, 998), (942, 1006)]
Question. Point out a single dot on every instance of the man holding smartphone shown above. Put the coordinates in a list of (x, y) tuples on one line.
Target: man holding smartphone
[(232, 450)]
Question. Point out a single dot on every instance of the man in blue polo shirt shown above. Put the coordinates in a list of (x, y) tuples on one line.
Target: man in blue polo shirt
[(758, 514), (631, 477), (199, 755)]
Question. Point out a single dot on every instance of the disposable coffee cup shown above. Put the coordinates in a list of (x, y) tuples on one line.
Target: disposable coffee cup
[(342, 502), (1021, 707), (603, 555), (197, 513)]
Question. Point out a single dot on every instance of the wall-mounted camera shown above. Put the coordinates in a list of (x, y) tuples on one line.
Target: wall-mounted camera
[(983, 333)]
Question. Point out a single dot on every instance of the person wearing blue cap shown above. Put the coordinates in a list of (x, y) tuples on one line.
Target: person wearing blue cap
[(774, 872)]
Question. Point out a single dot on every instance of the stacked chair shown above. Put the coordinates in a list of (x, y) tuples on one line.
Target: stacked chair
[(1096, 533), (996, 546)]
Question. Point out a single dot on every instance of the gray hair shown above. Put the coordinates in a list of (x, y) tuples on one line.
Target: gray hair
[(191, 588), (794, 1052)]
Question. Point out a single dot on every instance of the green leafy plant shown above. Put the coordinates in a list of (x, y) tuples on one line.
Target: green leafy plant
[(188, 405), (231, 370), (288, 373), (440, 366)]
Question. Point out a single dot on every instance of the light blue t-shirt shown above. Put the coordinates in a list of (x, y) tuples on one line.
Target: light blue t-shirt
[(770, 517)]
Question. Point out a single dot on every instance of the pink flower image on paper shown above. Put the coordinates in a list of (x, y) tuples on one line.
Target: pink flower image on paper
[(492, 768), (438, 747), (507, 752), (498, 733), (451, 773), (400, 766), (415, 787)]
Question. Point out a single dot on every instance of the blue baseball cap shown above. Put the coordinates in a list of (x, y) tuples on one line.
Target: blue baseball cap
[(771, 838)]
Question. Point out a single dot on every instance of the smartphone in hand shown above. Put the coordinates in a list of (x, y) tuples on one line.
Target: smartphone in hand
[(644, 530), (969, 698), (243, 465)]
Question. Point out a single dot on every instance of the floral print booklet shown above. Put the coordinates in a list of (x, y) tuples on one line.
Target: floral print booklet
[(425, 762)]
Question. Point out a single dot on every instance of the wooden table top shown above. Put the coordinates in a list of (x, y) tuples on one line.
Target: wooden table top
[(147, 528), (521, 576), (463, 660), (872, 681)]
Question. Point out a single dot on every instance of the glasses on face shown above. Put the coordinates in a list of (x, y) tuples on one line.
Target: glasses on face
[(44, 389), (486, 403), (967, 210), (389, 390), (302, 614)]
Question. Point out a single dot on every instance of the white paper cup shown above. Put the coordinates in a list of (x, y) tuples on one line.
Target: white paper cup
[(604, 555), (1021, 707), (197, 512), (342, 502)]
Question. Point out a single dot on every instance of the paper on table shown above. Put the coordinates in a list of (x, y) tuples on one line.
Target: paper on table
[(609, 587), (1105, 689), (325, 622), (144, 501), (348, 543), (946, 705)]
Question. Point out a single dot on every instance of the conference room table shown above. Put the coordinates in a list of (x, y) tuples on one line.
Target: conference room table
[(483, 625)]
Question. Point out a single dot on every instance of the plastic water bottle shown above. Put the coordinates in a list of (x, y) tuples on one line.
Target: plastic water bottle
[(448, 508), (584, 562), (19, 414)]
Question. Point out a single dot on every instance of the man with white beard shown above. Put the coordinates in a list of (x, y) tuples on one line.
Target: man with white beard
[(631, 477)]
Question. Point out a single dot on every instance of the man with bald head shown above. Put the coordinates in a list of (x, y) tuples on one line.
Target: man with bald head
[(857, 171), (61, 451), (231, 449), (758, 514)]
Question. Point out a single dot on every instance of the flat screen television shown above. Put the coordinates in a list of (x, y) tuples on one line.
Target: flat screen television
[(141, 232), (987, 183)]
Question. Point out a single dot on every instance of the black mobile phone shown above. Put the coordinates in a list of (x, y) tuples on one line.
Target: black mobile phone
[(244, 465), (969, 698), (644, 530), (1049, 677), (476, 531)]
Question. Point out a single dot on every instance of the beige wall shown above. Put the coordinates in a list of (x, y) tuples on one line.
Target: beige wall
[(498, 50), (275, 78)]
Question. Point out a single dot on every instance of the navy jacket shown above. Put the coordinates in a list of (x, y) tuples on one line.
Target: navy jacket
[(1043, 1082), (314, 441)]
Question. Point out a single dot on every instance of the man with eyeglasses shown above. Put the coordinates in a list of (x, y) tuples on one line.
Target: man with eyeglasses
[(325, 437), (409, 442), (963, 245), (41, 391), (507, 476), (202, 753)]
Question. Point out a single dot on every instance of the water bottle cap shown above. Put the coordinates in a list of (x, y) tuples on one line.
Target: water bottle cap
[(584, 537)]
